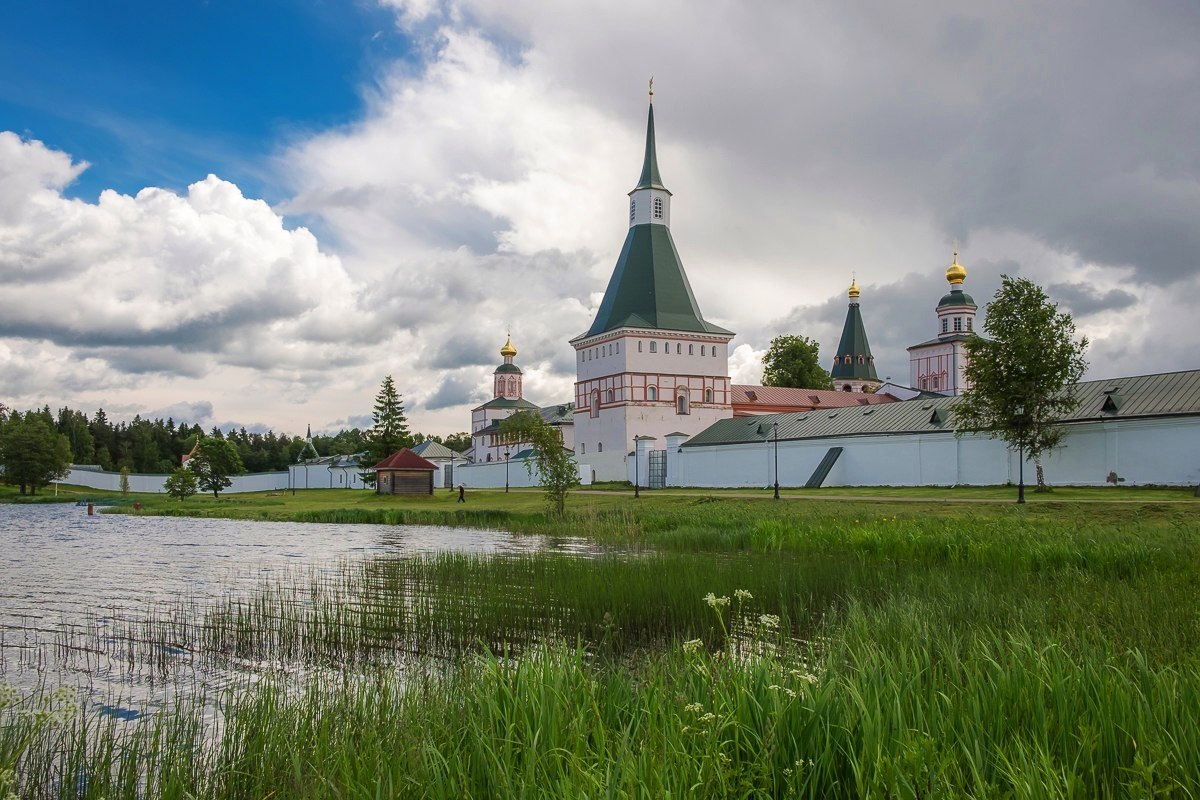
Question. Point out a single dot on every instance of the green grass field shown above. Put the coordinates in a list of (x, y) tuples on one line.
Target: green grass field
[(883, 644)]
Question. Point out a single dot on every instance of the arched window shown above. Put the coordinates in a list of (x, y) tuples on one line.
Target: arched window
[(653, 347), (639, 345), (848, 360), (702, 350), (599, 447), (924, 384), (847, 388), (658, 208), (862, 360), (582, 449), (651, 392), (678, 348), (632, 210), (595, 403), (666, 347), (681, 402), (714, 351), (708, 395), (609, 396)]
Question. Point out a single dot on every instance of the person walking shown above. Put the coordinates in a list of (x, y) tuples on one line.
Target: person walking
[(462, 493)]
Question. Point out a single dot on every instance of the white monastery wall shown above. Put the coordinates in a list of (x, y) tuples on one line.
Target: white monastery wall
[(153, 484), (1141, 452)]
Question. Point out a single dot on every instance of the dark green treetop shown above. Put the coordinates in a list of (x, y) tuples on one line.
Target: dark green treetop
[(794, 361)]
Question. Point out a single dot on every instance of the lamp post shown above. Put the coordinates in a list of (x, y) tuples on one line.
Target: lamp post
[(776, 427), (506, 472), (1021, 452), (637, 481)]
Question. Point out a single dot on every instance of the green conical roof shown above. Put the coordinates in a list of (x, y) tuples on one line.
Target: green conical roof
[(854, 344), (649, 288), (650, 178)]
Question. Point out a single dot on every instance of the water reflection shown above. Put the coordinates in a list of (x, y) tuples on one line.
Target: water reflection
[(73, 588)]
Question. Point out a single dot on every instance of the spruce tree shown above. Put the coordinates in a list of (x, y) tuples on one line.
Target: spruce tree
[(390, 431)]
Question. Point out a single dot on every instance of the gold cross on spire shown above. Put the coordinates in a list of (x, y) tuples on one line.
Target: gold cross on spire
[(651, 88)]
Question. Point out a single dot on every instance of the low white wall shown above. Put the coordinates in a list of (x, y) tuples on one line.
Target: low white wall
[(490, 475), (153, 484), (1163, 451)]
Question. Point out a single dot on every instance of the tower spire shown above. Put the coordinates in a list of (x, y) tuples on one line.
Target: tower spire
[(650, 178)]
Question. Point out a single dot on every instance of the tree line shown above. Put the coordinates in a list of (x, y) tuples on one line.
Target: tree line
[(157, 446)]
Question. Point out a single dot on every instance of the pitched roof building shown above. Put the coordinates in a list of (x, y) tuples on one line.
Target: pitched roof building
[(649, 363)]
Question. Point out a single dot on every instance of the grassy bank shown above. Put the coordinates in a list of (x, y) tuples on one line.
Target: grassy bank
[(885, 648)]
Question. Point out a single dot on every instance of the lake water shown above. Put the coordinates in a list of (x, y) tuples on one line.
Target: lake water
[(68, 581)]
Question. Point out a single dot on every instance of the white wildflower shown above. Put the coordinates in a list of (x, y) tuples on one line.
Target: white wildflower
[(693, 708), (742, 595), (692, 645), (769, 621), (715, 601)]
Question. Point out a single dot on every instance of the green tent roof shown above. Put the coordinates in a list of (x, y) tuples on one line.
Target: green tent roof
[(649, 288), (854, 344)]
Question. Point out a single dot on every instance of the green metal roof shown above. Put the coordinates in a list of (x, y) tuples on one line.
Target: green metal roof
[(650, 178), (649, 288), (854, 344), (1164, 394), (957, 297), (508, 368), (561, 414), (952, 337), (432, 449), (504, 402)]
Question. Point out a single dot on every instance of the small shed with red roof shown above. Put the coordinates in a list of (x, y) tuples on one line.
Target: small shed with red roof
[(404, 472)]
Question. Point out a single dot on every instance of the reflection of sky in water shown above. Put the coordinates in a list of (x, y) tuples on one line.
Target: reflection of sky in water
[(70, 585)]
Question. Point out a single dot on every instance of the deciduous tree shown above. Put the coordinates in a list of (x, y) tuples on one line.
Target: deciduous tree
[(1022, 378), (32, 452), (181, 484), (556, 469), (794, 361), (215, 462)]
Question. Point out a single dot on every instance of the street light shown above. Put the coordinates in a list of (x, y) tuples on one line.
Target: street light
[(637, 481), (1021, 452), (506, 472), (776, 426)]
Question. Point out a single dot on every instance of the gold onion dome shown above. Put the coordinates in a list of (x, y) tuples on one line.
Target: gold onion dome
[(508, 351), (956, 272), (854, 292)]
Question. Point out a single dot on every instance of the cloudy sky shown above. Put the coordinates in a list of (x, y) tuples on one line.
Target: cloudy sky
[(249, 211)]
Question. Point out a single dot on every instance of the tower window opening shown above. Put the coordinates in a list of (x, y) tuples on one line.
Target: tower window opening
[(702, 350), (583, 448), (678, 348), (708, 395), (714, 351), (652, 393), (618, 348), (599, 447), (632, 210), (658, 208), (595, 403), (666, 348), (862, 360), (958, 323), (945, 325), (654, 347), (639, 345), (691, 349), (609, 396), (681, 402), (969, 321)]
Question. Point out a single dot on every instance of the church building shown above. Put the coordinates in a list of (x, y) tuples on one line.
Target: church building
[(650, 365), (487, 443), (937, 365)]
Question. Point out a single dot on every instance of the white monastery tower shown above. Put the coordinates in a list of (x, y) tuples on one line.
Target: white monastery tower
[(649, 365), (937, 365)]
